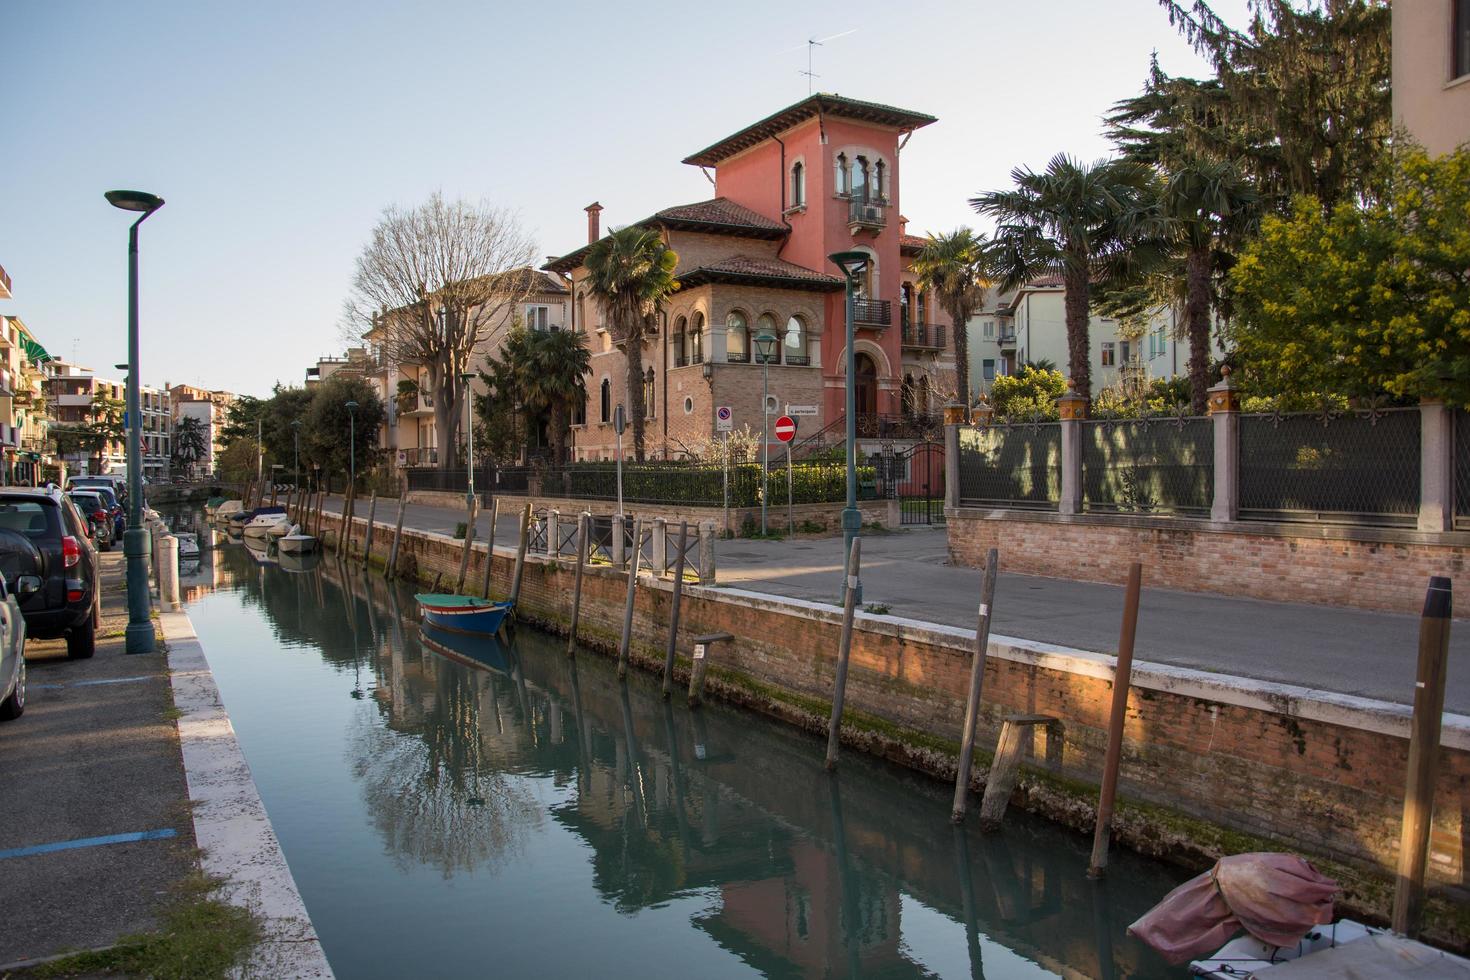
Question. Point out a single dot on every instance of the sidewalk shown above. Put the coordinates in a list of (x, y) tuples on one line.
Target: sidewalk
[(1347, 651)]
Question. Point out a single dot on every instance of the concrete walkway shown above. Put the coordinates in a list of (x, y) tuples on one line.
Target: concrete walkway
[(1348, 651)]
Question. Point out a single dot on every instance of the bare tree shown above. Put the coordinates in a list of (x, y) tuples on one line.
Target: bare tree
[(432, 284)]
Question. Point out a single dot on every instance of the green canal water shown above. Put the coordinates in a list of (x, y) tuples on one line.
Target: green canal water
[(508, 811)]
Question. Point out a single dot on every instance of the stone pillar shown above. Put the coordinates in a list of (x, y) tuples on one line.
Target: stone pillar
[(1436, 466), (951, 466), (660, 546), (1225, 415), (706, 552), (1073, 410), (619, 545), (168, 572), (553, 534), (954, 414)]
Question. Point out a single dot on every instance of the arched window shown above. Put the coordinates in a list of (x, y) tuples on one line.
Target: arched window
[(737, 340), (905, 305), (767, 324), (922, 308), (798, 184), (795, 342), (844, 177), (878, 169), (859, 184), (681, 354), (696, 339), (581, 313), (648, 391), (606, 414)]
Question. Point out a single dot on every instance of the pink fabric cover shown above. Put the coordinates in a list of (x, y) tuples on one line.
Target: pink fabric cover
[(1277, 898)]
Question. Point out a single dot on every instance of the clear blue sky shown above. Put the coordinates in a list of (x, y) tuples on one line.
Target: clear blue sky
[(277, 131)]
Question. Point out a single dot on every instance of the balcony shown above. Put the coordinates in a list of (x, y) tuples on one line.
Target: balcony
[(923, 336), (415, 405), (419, 457), (872, 313), (1007, 338), (868, 216)]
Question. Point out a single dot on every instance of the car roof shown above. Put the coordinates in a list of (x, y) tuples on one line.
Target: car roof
[(33, 493)]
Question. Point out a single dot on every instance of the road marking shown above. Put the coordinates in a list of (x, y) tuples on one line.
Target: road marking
[(109, 680), (68, 845)]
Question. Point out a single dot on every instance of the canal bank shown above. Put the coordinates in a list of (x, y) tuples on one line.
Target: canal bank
[(1212, 764)]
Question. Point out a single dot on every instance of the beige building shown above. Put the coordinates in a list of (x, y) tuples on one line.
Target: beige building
[(23, 421), (1431, 71), (210, 408), (72, 391)]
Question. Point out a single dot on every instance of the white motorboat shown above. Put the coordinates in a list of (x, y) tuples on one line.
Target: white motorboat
[(260, 525), (283, 528), (1345, 948), (296, 544), (223, 512), (188, 545)]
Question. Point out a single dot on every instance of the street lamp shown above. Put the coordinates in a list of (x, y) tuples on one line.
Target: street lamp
[(138, 638), (296, 436), (765, 348), (469, 454), (351, 445), (852, 265)]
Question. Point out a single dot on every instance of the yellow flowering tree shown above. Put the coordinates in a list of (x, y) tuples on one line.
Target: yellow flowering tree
[(1364, 300)]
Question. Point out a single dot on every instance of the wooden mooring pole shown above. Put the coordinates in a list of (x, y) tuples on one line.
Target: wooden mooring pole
[(469, 544), (1434, 644), (582, 522), (390, 570), (490, 548), (515, 581), (367, 542), (977, 679), (674, 610), (633, 561), (1122, 680), (839, 687)]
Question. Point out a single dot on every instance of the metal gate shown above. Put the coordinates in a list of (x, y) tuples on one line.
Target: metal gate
[(915, 478)]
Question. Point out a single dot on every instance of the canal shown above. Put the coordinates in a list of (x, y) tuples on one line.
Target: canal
[(461, 809)]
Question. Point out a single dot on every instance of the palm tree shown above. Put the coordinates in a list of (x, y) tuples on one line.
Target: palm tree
[(1074, 219), (554, 378), (631, 272), (953, 265)]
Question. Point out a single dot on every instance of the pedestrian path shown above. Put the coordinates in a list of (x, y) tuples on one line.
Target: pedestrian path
[(1347, 651)]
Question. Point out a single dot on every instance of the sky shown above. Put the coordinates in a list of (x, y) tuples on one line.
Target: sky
[(278, 131)]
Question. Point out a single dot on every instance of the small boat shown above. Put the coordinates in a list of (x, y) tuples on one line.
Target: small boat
[(282, 528), (188, 545), (296, 544), (1345, 948), (462, 613), (227, 508), (212, 505), (261, 525)]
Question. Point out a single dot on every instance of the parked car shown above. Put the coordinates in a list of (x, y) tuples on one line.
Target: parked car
[(12, 652), (98, 516), (44, 543), (115, 507), (111, 481)]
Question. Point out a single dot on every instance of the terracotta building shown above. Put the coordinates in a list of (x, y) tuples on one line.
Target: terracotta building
[(818, 177)]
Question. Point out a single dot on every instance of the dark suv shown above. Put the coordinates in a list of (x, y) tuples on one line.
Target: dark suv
[(44, 538)]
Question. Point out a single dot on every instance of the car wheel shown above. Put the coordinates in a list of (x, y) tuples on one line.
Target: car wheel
[(15, 705), (81, 641)]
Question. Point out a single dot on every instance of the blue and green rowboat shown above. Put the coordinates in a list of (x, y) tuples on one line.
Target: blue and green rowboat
[(462, 613)]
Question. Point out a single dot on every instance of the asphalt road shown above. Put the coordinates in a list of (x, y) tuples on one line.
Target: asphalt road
[(95, 754), (1348, 651)]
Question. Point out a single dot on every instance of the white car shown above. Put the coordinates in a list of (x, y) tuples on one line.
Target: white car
[(12, 655)]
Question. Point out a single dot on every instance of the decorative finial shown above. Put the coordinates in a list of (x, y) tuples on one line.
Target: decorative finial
[(1225, 371)]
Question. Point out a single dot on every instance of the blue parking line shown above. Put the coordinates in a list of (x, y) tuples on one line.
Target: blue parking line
[(67, 845), (108, 680)]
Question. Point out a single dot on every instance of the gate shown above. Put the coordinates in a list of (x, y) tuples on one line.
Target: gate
[(915, 478)]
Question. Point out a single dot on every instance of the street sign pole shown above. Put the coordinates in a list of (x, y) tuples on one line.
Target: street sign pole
[(620, 422), (726, 441), (786, 432), (724, 422), (790, 522)]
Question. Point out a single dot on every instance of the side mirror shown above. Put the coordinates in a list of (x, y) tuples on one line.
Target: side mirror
[(27, 584)]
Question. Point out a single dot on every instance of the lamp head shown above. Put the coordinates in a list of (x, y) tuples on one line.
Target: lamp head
[(296, 424), (351, 406), (134, 200), (851, 263), (765, 345)]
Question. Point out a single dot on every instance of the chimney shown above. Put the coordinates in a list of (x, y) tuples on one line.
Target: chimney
[(594, 222), (903, 225)]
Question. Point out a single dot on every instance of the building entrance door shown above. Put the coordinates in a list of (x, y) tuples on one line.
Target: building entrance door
[(866, 390)]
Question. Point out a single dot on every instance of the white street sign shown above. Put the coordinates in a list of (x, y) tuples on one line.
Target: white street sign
[(724, 419), (801, 410)]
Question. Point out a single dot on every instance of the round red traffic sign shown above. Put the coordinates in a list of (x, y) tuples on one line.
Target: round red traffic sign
[(786, 428)]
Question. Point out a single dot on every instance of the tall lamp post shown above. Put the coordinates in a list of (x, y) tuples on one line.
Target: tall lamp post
[(765, 349), (851, 264), (469, 424), (138, 638), (351, 445)]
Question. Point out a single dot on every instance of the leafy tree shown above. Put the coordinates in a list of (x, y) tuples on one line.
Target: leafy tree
[(1074, 219), (504, 428), (240, 418), (236, 463), (1031, 390), (1366, 299), (954, 266), (330, 432), (540, 373), (631, 272), (190, 443), (287, 405)]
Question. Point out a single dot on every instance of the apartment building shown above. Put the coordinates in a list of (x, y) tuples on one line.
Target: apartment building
[(1431, 71), (209, 407), (23, 421), (80, 398), (817, 177)]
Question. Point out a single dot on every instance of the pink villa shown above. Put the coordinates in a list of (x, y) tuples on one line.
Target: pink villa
[(818, 177)]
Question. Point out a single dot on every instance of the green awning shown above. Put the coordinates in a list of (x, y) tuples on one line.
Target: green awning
[(35, 351)]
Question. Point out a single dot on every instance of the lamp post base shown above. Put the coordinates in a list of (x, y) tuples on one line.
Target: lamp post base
[(138, 638), (852, 524)]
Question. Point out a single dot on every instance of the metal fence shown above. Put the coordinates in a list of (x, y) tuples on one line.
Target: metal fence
[(1462, 468), (695, 485), (1329, 467), (1011, 465), (602, 530), (1148, 465)]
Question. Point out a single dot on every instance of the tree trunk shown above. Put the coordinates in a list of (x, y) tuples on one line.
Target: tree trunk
[(958, 316), (1197, 323), (1079, 349), (446, 418), (633, 354), (558, 434)]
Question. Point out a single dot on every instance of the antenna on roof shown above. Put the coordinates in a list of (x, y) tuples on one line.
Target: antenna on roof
[(811, 44)]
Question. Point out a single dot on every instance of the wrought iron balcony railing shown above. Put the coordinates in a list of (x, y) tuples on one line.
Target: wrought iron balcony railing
[(926, 335), (872, 312)]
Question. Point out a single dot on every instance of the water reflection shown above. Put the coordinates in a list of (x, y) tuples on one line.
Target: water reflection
[(472, 757)]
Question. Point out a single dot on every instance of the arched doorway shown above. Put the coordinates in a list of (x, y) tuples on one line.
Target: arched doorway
[(866, 389)]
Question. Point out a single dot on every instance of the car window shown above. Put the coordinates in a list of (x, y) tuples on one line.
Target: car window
[(78, 527), (88, 502), (34, 519)]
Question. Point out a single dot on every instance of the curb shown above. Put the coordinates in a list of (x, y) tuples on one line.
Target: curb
[(230, 823)]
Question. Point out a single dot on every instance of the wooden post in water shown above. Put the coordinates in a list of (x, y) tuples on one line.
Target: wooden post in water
[(633, 562), (977, 679), (321, 501), (1122, 680), (515, 581), (582, 522), (1434, 644), (674, 610), (245, 500), (490, 548), (839, 687), (469, 543), (367, 543), (273, 493), (390, 570)]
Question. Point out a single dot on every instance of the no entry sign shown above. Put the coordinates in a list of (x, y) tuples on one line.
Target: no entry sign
[(786, 428)]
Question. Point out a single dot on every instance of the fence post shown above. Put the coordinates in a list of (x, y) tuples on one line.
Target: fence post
[(660, 546), (1225, 416), (553, 534), (1436, 466), (951, 466), (707, 553), (1072, 408)]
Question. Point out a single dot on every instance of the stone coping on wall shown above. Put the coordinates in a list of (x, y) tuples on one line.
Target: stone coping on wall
[(1269, 529)]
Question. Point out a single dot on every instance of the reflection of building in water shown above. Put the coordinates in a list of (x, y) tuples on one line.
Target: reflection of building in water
[(211, 572)]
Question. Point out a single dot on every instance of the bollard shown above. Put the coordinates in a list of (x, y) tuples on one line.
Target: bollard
[(707, 553), (839, 687), (469, 543), (583, 521), (674, 610), (391, 568), (660, 542), (1122, 679), (367, 543), (168, 572), (515, 582), (977, 678), (490, 548), (633, 561), (1424, 731), (553, 534), (703, 648), (618, 548)]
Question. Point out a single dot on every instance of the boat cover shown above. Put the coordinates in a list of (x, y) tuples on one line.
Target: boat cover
[(1375, 958), (1275, 897)]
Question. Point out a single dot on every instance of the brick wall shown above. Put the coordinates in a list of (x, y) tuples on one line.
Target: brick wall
[(1209, 766), (1362, 567)]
